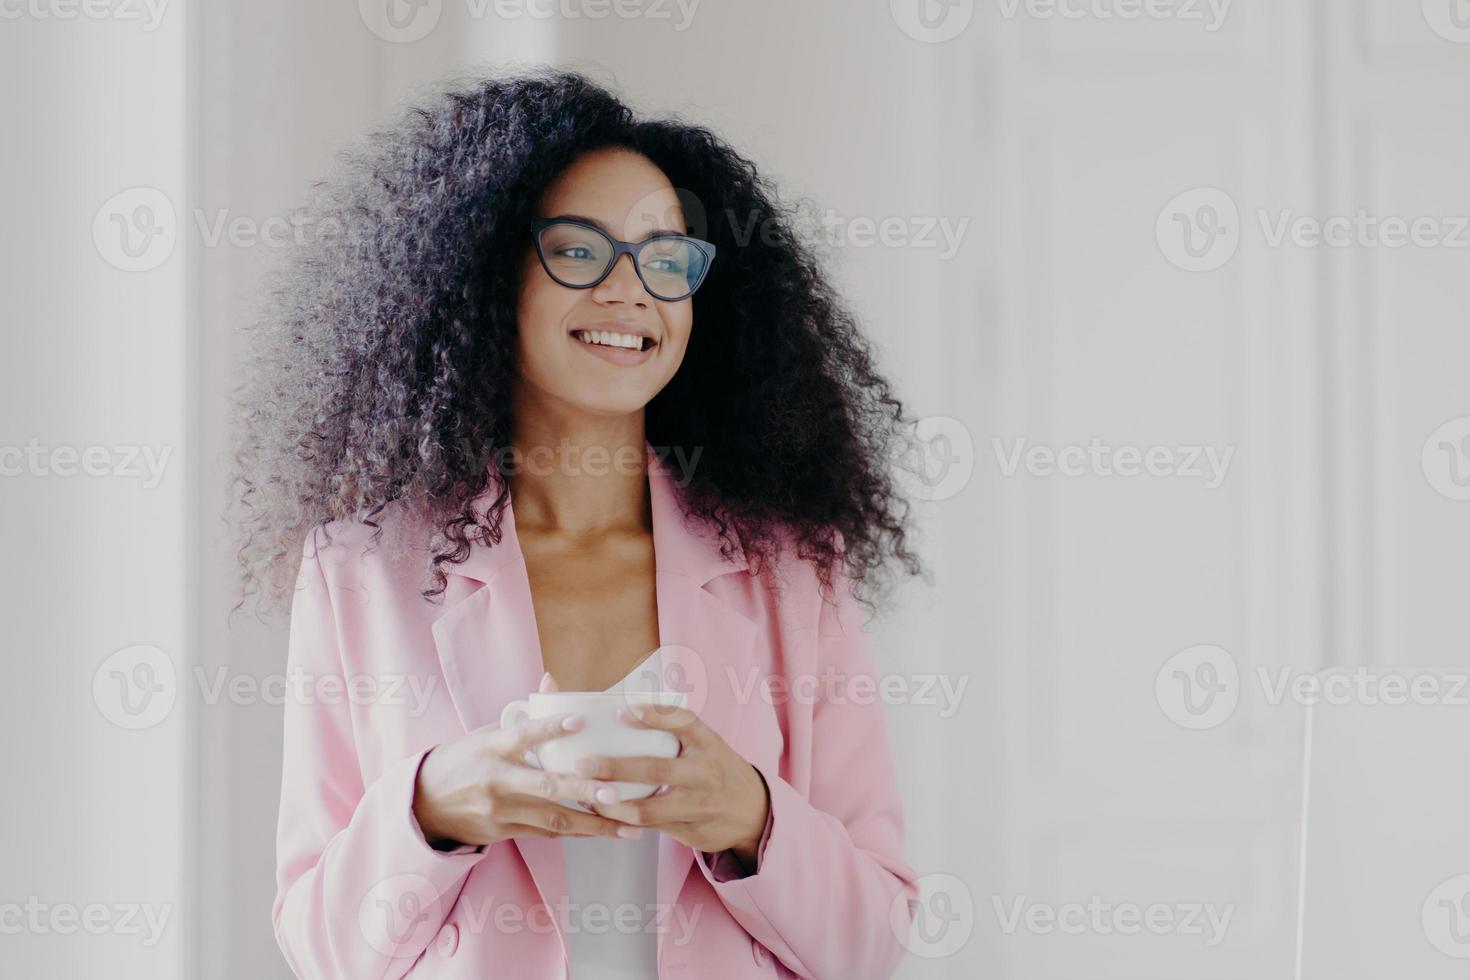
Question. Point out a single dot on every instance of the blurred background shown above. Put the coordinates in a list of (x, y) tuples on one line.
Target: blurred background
[(1178, 288)]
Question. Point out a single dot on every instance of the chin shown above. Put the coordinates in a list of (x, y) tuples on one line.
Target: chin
[(609, 406)]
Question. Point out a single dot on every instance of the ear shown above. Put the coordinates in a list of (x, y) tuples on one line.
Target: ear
[(548, 684)]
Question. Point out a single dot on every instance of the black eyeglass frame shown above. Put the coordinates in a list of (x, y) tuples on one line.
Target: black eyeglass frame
[(620, 248)]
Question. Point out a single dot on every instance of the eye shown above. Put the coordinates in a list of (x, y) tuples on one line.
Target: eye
[(666, 264)]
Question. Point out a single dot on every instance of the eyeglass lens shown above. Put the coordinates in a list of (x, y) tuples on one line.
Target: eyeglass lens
[(578, 256)]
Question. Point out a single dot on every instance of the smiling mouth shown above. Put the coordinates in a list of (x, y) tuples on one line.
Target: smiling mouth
[(613, 340)]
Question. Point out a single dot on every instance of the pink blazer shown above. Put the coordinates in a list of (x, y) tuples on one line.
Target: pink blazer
[(362, 896)]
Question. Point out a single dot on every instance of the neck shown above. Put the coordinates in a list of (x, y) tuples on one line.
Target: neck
[(580, 475)]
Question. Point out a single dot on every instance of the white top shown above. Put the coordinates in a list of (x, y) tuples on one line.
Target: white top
[(618, 881)]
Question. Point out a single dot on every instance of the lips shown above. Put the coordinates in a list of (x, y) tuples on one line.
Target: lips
[(614, 354), (616, 334), (613, 340)]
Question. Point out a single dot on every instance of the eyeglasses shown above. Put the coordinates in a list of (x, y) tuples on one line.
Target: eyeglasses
[(580, 255)]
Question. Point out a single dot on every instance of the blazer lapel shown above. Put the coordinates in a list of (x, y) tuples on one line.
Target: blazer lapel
[(490, 652)]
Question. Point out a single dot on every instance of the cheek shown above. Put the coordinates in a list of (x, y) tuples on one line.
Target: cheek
[(678, 325), (540, 312)]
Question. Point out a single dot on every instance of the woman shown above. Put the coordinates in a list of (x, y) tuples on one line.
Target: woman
[(553, 398)]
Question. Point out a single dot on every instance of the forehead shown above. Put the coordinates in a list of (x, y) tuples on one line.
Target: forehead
[(621, 190)]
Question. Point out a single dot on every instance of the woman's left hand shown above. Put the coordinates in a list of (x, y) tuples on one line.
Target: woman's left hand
[(715, 800)]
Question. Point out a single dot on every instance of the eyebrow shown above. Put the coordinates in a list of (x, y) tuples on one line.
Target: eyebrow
[(657, 233)]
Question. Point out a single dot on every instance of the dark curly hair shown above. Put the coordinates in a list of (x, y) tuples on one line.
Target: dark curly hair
[(379, 369)]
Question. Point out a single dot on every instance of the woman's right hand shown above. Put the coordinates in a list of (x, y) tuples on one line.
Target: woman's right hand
[(477, 789)]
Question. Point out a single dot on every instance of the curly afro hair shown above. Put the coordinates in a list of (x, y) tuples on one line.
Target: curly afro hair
[(379, 371)]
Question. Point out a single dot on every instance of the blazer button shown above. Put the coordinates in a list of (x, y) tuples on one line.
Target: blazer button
[(448, 940), (762, 958)]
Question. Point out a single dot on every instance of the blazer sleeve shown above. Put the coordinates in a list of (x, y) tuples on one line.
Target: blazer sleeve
[(831, 894), (360, 893)]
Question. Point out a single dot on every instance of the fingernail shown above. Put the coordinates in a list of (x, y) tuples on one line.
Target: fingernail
[(607, 795), (631, 833), (572, 722)]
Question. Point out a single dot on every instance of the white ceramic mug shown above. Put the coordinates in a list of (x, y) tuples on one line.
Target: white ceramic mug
[(601, 734)]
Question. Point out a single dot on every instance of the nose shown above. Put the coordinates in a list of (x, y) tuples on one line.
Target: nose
[(622, 284)]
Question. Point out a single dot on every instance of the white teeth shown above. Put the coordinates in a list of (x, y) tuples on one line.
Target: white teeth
[(606, 338)]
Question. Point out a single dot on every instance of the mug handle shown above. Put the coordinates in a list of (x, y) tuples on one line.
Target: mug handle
[(515, 713)]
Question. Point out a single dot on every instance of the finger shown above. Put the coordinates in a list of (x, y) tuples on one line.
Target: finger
[(522, 830), (657, 812), (526, 830), (526, 781), (532, 732), (559, 821), (692, 730), (651, 769)]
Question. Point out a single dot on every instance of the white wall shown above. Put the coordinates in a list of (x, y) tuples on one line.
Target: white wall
[(98, 596)]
